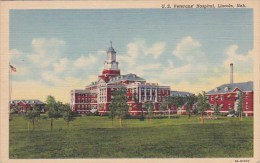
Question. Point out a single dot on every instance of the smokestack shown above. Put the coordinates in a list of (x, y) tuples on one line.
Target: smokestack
[(231, 73)]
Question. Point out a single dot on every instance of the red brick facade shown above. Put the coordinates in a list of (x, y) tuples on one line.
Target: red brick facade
[(228, 101)]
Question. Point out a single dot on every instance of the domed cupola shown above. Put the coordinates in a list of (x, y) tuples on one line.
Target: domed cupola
[(111, 62), (111, 49)]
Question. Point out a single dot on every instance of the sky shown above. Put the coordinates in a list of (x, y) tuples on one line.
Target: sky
[(55, 51)]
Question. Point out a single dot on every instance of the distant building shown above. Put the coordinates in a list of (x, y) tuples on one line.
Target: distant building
[(97, 95), (181, 94), (25, 105), (183, 109), (226, 96)]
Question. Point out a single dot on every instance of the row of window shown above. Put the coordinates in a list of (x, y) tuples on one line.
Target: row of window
[(212, 98), (230, 107)]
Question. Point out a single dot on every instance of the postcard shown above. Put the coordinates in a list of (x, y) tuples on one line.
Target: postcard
[(134, 81)]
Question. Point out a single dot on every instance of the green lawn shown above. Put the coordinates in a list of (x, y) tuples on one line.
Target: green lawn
[(95, 137)]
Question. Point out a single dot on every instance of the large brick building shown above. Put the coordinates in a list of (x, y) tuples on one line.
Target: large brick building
[(97, 95), (226, 96)]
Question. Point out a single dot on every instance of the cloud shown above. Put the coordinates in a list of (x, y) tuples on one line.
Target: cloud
[(48, 67), (45, 51), (62, 65), (243, 63), (141, 58), (139, 50), (188, 49), (85, 61), (239, 60), (15, 53), (190, 66), (156, 50)]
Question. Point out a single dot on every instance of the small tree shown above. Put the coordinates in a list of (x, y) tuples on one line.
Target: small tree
[(149, 107), (165, 105), (240, 104), (203, 104), (53, 109), (112, 108), (12, 112), (32, 115), (68, 115), (119, 103), (190, 102), (216, 109)]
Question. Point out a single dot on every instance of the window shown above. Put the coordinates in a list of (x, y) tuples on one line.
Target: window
[(221, 97), (246, 106), (212, 98), (226, 89), (216, 89)]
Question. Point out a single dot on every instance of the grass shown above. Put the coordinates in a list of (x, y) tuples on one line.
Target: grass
[(95, 137)]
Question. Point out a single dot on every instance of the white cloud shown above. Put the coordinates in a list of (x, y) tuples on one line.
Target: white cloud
[(85, 61), (188, 49), (61, 66), (139, 50), (51, 77), (190, 67), (170, 63), (237, 59), (14, 52), (156, 50), (189, 72), (45, 51)]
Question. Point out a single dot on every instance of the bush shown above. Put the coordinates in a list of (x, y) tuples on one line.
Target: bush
[(231, 112), (223, 114)]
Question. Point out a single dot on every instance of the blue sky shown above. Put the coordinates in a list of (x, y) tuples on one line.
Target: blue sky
[(190, 50)]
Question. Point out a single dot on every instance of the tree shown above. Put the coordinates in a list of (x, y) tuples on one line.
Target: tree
[(203, 104), (68, 115), (112, 108), (32, 115), (240, 104), (216, 109), (148, 105), (175, 101), (53, 109), (165, 104), (191, 100), (119, 104), (13, 110)]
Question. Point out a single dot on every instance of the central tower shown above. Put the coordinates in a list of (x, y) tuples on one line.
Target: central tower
[(111, 65)]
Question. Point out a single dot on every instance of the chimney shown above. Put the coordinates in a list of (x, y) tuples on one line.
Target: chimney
[(231, 73)]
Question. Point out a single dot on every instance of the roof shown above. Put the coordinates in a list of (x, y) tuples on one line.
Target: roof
[(28, 102), (111, 49), (129, 77), (80, 91), (228, 88), (180, 93)]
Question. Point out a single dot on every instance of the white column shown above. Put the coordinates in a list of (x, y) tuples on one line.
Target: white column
[(156, 94), (150, 93), (139, 91), (145, 94)]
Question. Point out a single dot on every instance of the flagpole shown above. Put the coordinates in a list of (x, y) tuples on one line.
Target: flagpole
[(9, 86)]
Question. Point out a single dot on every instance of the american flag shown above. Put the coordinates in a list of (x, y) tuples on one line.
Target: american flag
[(13, 68)]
